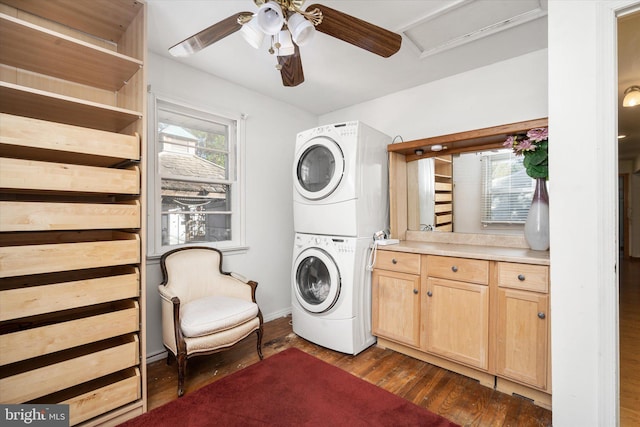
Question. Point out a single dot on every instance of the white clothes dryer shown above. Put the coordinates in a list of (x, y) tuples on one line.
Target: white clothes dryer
[(331, 295), (340, 180)]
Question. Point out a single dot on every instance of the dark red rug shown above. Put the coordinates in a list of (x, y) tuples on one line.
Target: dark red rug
[(290, 388)]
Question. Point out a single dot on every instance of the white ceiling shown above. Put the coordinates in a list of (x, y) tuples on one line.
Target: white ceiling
[(339, 75)]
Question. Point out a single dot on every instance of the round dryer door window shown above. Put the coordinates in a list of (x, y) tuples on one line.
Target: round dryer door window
[(319, 168), (317, 281)]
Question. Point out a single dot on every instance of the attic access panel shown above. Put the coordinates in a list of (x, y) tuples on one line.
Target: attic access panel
[(464, 21)]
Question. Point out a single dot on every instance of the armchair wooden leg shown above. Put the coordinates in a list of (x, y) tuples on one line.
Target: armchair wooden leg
[(182, 368), (259, 332)]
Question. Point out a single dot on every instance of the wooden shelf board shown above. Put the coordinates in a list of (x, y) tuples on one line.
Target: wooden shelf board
[(462, 142), (37, 49), (38, 104), (105, 19)]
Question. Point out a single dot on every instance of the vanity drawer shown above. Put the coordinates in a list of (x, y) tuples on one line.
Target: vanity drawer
[(463, 269), (398, 261), (523, 276)]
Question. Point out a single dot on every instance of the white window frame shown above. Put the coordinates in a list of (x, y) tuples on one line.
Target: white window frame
[(155, 248)]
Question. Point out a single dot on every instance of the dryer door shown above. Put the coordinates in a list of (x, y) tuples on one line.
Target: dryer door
[(318, 168), (316, 280)]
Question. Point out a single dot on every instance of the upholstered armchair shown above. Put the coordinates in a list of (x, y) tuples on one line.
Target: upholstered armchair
[(204, 309)]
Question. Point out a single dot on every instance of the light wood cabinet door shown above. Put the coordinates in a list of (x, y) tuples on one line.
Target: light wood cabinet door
[(457, 323), (396, 306), (522, 344)]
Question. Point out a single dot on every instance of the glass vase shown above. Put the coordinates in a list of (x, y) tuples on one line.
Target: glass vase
[(536, 228)]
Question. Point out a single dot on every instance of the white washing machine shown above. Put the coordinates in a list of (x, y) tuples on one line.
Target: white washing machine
[(340, 180), (331, 296)]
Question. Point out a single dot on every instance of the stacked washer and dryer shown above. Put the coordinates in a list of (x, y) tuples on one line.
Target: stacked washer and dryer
[(340, 200)]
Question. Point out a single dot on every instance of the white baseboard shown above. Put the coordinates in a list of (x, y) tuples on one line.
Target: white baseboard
[(276, 315)]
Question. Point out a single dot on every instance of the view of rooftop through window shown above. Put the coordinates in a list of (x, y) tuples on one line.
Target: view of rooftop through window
[(196, 174)]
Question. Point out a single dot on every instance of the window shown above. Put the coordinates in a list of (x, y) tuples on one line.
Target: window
[(507, 190), (194, 191)]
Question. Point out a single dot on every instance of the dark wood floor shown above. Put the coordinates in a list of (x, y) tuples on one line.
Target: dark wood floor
[(457, 398)]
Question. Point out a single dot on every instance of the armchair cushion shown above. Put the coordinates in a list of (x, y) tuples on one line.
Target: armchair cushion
[(212, 314)]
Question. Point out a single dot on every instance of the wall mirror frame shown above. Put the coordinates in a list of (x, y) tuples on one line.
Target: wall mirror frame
[(401, 156)]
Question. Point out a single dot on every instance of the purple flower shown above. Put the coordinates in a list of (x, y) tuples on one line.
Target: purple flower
[(538, 134), (526, 145), (510, 142)]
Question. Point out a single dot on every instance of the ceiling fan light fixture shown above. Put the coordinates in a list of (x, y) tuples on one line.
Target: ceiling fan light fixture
[(631, 96), (283, 44), (302, 30), (252, 33), (270, 18)]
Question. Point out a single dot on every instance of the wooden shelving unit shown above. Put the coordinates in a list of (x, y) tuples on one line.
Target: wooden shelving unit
[(443, 206), (39, 104), (83, 62), (72, 130)]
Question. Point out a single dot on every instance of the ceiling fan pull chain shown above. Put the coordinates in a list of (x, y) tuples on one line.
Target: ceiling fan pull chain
[(271, 48)]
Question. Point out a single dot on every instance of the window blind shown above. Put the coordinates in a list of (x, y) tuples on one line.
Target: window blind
[(507, 190)]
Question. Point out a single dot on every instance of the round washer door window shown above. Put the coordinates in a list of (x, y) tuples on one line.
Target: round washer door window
[(316, 280), (319, 168)]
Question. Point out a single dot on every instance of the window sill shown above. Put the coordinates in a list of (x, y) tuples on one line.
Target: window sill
[(230, 250)]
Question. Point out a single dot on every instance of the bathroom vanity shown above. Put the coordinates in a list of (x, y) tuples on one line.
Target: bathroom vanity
[(476, 304)]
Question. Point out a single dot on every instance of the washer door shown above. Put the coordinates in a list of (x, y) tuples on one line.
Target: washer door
[(316, 280), (319, 168)]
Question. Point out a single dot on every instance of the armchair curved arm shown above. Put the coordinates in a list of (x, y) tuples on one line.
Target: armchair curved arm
[(243, 279), (181, 345), (254, 286), (165, 293), (171, 320)]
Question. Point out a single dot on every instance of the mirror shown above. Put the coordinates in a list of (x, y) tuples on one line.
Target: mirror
[(416, 205), (445, 193), (430, 194)]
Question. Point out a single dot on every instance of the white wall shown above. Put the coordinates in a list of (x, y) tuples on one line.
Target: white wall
[(583, 66), (271, 128), (506, 92)]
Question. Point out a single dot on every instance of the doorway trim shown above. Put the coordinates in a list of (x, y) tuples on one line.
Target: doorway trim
[(609, 372)]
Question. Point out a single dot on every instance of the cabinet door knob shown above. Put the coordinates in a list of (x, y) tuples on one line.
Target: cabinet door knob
[(521, 277), (415, 291), (454, 269), (541, 315), (429, 293), (394, 261)]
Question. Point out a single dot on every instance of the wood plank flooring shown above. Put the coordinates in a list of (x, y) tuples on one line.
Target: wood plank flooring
[(457, 398), (453, 396), (630, 343)]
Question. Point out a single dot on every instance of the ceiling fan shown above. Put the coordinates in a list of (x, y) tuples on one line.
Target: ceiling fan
[(289, 26)]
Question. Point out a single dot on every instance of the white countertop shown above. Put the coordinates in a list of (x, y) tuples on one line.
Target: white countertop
[(491, 253)]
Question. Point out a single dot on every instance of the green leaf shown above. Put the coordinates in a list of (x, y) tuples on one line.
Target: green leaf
[(538, 171), (536, 157)]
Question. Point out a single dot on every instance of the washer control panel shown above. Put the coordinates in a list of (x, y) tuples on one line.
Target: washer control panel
[(340, 244)]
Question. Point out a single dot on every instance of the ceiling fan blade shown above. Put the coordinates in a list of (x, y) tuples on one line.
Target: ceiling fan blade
[(357, 32), (291, 71), (208, 36)]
